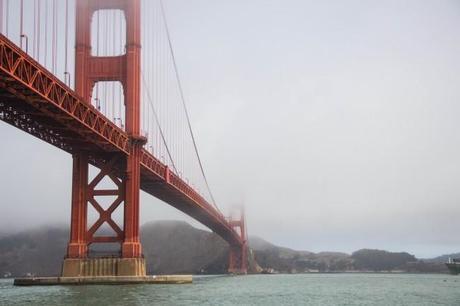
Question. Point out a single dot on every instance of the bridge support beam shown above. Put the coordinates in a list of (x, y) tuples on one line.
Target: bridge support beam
[(131, 246), (78, 245), (238, 259)]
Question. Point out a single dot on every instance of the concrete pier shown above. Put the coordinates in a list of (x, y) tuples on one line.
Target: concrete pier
[(104, 280), (97, 267), (104, 271)]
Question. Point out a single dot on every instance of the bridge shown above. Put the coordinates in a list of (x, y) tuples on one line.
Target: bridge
[(116, 111)]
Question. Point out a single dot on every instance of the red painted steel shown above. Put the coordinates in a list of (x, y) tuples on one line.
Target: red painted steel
[(125, 68), (52, 112), (78, 245), (105, 215), (35, 101)]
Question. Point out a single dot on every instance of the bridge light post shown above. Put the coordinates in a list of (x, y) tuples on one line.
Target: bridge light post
[(67, 79), (121, 121), (24, 36), (98, 103)]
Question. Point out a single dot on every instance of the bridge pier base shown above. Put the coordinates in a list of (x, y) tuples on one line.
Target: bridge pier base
[(101, 267), (238, 259)]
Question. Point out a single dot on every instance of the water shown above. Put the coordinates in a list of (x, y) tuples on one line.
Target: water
[(306, 289)]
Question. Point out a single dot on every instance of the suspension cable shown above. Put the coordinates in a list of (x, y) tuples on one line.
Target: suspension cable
[(21, 24), (1, 16), (183, 102), (7, 9), (158, 122), (38, 29), (34, 52), (54, 38), (66, 55), (45, 61)]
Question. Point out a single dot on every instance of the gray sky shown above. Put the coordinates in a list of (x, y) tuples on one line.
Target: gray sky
[(334, 122)]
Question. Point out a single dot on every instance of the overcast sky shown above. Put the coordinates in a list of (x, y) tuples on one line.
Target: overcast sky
[(336, 123)]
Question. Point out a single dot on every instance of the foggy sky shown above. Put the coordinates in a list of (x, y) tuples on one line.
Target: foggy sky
[(336, 123)]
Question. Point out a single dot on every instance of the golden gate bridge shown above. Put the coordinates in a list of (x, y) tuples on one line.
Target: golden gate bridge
[(99, 80)]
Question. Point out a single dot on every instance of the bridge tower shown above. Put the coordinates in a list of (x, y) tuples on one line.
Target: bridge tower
[(238, 256), (89, 70)]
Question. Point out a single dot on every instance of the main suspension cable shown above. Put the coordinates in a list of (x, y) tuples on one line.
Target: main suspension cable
[(184, 104)]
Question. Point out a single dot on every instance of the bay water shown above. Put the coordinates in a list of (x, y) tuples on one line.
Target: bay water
[(295, 289)]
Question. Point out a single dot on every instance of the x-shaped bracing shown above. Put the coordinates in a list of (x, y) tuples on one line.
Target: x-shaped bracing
[(105, 215)]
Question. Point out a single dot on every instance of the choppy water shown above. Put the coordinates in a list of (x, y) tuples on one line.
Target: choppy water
[(307, 289)]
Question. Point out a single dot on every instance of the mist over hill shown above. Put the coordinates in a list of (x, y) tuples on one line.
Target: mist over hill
[(287, 260), (172, 247), (177, 247), (443, 258)]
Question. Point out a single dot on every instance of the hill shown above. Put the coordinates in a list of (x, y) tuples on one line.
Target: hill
[(443, 258), (177, 247)]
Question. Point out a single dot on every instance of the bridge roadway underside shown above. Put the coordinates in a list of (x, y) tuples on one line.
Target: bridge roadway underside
[(47, 116)]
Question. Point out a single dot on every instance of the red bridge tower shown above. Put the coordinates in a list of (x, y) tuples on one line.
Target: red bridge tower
[(123, 171), (238, 257)]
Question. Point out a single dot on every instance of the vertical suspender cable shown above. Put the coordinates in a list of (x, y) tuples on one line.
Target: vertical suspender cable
[(66, 53), (147, 25), (158, 76), (46, 33), (21, 21), (53, 40), (143, 106), (1, 16), (168, 104), (53, 36), (34, 51), (142, 101), (112, 98), (159, 127), (145, 63), (157, 80), (7, 9), (154, 72), (98, 103), (38, 29), (160, 88), (121, 101), (106, 105)]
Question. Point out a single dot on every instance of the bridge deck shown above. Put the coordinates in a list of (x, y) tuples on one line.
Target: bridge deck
[(35, 101)]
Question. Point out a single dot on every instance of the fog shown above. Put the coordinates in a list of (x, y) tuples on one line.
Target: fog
[(334, 122)]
